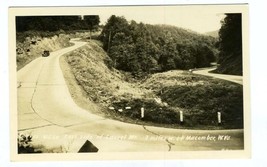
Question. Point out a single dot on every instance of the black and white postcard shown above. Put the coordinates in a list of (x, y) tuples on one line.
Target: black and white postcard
[(129, 82)]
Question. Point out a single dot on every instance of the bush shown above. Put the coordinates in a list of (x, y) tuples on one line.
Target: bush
[(25, 146)]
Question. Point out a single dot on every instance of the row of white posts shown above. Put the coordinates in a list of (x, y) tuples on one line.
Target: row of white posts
[(181, 114)]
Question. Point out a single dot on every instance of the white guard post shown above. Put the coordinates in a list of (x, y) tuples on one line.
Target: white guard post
[(219, 118), (181, 116), (142, 112)]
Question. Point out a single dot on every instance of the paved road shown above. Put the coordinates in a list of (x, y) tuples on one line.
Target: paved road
[(231, 78), (47, 112)]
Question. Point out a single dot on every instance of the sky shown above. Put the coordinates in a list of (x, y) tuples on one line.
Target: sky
[(197, 19)]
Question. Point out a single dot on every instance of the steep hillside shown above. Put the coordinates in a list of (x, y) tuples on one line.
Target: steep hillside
[(103, 85), (230, 58), (115, 94), (31, 44), (232, 66), (33, 47)]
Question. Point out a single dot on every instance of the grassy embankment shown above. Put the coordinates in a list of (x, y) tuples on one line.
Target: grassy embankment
[(163, 95)]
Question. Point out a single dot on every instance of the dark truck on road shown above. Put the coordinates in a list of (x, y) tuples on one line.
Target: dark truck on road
[(46, 53)]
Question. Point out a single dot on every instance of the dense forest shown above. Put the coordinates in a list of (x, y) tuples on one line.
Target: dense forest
[(49, 26), (230, 45), (142, 48), (56, 23)]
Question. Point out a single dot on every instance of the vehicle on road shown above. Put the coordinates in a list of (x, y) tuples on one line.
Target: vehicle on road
[(46, 53)]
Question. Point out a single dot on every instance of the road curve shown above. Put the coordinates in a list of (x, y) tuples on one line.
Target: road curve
[(231, 78), (47, 112)]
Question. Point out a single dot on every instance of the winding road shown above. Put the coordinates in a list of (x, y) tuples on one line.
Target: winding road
[(231, 78), (48, 113)]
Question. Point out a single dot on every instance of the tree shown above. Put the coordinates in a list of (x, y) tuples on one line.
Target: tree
[(114, 25), (92, 22), (168, 55), (230, 45), (122, 52), (204, 56)]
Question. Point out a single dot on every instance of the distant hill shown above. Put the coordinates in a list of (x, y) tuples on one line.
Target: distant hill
[(214, 34)]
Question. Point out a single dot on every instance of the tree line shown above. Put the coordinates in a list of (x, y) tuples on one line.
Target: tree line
[(230, 45), (56, 23), (142, 48)]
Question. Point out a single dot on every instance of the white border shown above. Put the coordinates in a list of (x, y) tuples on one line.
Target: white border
[(258, 72)]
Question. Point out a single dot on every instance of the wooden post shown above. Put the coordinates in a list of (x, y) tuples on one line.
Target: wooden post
[(219, 118), (181, 117), (142, 112)]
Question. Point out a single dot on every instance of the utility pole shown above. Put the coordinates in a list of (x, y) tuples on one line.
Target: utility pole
[(109, 38)]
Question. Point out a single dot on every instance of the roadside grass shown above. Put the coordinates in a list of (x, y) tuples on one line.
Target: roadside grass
[(202, 102), (153, 112), (163, 95)]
